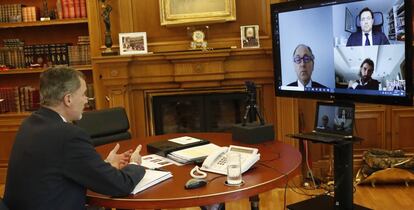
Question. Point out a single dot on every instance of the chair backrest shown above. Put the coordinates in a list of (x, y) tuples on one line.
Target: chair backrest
[(3, 205), (105, 125), (378, 22)]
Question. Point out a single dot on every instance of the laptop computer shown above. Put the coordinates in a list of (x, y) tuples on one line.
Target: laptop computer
[(333, 122)]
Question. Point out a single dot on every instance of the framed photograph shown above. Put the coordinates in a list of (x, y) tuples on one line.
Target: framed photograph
[(187, 12), (349, 21), (133, 43), (249, 36)]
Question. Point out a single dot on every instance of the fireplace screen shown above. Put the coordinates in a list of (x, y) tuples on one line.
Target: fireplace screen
[(215, 112)]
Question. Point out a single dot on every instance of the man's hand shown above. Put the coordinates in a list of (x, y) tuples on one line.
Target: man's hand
[(118, 160), (136, 157), (352, 84)]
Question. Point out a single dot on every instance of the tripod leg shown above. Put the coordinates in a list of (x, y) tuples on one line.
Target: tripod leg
[(259, 115), (245, 115)]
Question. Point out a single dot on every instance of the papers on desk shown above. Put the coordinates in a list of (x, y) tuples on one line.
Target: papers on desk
[(151, 178), (153, 161), (193, 153)]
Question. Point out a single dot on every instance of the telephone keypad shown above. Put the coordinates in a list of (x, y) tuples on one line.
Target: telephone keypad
[(222, 161)]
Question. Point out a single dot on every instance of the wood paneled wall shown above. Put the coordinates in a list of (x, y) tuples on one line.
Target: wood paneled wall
[(143, 16)]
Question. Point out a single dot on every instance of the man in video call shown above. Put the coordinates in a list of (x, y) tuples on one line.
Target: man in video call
[(367, 37), (366, 81), (341, 122), (325, 122), (303, 59)]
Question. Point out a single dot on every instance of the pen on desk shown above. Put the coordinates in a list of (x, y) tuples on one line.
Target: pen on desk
[(158, 169)]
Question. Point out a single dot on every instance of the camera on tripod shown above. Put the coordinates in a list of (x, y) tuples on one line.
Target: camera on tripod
[(252, 110), (251, 132)]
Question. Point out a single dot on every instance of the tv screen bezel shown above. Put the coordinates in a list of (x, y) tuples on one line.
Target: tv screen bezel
[(407, 100)]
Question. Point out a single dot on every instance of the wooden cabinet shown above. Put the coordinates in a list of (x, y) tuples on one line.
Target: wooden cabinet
[(33, 33)]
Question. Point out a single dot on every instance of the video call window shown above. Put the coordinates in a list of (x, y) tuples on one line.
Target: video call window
[(355, 48)]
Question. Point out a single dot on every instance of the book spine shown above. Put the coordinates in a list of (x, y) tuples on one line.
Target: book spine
[(71, 7), (52, 51), (64, 51), (65, 7), (76, 4), (16, 99), (83, 13), (2, 102), (59, 9), (1, 13)]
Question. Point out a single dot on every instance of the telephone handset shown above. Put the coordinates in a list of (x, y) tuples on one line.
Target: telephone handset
[(217, 161)]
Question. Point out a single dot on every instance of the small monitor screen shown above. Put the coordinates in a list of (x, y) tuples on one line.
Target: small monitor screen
[(352, 50)]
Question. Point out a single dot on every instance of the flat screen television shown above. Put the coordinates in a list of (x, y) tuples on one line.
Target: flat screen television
[(358, 51)]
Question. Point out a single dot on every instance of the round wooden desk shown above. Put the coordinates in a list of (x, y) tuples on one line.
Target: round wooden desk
[(278, 163)]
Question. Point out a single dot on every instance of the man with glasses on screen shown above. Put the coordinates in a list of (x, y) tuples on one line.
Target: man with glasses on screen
[(367, 36), (303, 60)]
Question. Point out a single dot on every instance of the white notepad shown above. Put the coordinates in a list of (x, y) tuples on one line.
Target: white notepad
[(151, 178), (196, 152)]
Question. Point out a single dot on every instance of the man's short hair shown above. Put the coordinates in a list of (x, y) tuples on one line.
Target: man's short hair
[(303, 45), (365, 10), (56, 82)]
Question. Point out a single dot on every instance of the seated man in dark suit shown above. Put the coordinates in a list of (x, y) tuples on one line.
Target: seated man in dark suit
[(303, 59), (53, 161), (366, 81), (367, 37)]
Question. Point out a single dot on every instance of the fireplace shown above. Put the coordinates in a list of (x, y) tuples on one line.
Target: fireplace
[(207, 111)]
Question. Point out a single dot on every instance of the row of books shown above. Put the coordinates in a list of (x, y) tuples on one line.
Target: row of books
[(65, 9), (28, 14), (19, 99), (11, 13), (27, 98), (80, 54), (71, 9), (17, 55)]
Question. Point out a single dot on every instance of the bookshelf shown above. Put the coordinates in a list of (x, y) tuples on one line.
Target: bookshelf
[(66, 33), (396, 21), (28, 48), (44, 23)]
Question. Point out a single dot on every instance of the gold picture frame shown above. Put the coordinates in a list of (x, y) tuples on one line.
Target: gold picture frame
[(195, 12)]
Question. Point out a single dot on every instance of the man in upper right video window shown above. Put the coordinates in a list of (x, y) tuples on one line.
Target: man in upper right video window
[(367, 36)]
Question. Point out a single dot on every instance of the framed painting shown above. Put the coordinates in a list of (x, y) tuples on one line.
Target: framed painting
[(195, 12), (133, 43)]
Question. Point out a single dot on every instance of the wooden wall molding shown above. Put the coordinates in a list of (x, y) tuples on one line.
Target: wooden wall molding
[(126, 79)]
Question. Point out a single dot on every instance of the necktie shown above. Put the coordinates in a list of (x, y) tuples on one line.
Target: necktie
[(367, 43)]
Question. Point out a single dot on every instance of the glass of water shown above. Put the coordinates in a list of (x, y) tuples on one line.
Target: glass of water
[(234, 176)]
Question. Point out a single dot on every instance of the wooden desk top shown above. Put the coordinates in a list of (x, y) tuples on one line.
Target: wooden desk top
[(278, 163)]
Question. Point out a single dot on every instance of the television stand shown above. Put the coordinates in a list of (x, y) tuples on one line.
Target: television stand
[(343, 179)]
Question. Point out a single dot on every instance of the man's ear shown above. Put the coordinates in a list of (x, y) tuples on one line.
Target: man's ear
[(67, 99)]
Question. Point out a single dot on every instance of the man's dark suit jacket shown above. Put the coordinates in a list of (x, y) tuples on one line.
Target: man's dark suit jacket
[(378, 38), (371, 85), (53, 163), (314, 84)]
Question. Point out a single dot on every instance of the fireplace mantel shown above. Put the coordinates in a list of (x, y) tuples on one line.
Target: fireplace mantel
[(127, 80)]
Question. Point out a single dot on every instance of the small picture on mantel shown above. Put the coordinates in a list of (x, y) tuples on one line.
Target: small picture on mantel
[(249, 36), (133, 43)]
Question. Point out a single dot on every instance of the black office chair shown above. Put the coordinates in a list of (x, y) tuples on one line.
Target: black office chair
[(106, 126), (3, 205)]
